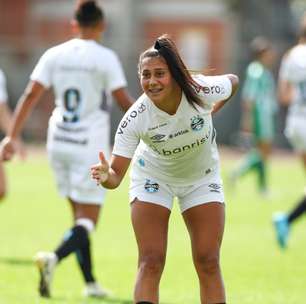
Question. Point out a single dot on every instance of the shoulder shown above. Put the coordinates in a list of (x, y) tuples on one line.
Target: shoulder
[(255, 69), (212, 84), (54, 50), (295, 52), (140, 106), (205, 81), (137, 114), (294, 59), (136, 117), (105, 51)]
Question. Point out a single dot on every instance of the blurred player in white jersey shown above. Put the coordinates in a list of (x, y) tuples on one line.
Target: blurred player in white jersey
[(5, 121), (82, 74), (170, 136), (292, 92)]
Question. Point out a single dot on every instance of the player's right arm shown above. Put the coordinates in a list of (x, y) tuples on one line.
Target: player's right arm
[(110, 175), (126, 141), (284, 86), (26, 103)]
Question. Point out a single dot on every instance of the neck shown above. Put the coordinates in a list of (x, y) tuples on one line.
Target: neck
[(171, 104), (89, 34)]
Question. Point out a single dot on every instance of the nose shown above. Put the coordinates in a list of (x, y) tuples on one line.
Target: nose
[(152, 81)]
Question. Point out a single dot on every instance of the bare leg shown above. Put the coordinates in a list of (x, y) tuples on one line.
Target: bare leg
[(205, 224), (85, 211), (150, 223), (264, 149), (2, 181)]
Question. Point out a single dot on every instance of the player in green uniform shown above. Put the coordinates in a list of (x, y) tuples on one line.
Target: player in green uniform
[(259, 107)]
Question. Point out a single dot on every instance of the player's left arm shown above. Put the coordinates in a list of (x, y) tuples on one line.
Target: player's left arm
[(123, 98), (234, 79)]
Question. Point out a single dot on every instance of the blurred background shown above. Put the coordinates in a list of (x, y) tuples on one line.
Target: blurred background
[(213, 37)]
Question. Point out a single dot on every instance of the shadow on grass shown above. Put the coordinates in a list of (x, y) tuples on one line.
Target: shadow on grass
[(107, 300), (16, 261), (110, 300)]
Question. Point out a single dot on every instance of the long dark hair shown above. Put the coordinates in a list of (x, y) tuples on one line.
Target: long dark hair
[(88, 13), (165, 47)]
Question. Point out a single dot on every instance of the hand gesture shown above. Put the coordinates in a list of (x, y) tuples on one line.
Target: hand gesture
[(8, 148), (99, 172)]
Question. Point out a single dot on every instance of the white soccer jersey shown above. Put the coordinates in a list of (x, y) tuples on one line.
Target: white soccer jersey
[(81, 73), (176, 149), (3, 91), (293, 69)]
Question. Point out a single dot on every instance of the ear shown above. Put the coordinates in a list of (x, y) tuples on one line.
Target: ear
[(102, 26), (74, 26)]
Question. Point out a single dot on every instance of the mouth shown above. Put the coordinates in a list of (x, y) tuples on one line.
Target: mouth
[(154, 91)]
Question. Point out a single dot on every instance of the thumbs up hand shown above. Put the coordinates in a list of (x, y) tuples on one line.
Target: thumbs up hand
[(99, 171)]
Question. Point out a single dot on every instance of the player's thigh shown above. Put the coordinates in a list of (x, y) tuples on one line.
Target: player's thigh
[(83, 188), (150, 224), (60, 169), (205, 224), (264, 146), (295, 133), (264, 129)]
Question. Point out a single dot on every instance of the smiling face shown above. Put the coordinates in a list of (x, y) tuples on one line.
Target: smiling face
[(157, 81)]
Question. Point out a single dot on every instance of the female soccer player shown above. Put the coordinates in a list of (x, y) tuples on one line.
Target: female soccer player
[(82, 73), (259, 109), (292, 93), (169, 132)]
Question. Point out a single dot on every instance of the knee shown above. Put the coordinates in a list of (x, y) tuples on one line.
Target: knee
[(208, 264), (152, 264)]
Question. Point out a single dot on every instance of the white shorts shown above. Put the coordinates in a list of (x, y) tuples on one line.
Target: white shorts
[(154, 191), (71, 162), (295, 132)]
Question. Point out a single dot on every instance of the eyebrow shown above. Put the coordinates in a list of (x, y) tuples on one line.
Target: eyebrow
[(156, 69)]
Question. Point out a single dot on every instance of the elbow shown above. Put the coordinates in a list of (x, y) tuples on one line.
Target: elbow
[(234, 80), (109, 186)]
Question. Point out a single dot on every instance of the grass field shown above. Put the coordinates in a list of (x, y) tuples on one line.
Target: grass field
[(34, 218)]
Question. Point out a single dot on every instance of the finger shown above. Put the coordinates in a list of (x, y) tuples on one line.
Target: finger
[(102, 157)]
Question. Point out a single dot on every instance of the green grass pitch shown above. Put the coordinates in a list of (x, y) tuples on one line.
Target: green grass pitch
[(33, 217)]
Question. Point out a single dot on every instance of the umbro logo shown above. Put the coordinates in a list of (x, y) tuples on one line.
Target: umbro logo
[(158, 138), (214, 188)]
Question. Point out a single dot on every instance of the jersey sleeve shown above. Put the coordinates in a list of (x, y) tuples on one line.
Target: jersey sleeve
[(115, 74), (3, 91), (214, 88), (42, 72), (285, 70), (127, 136)]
